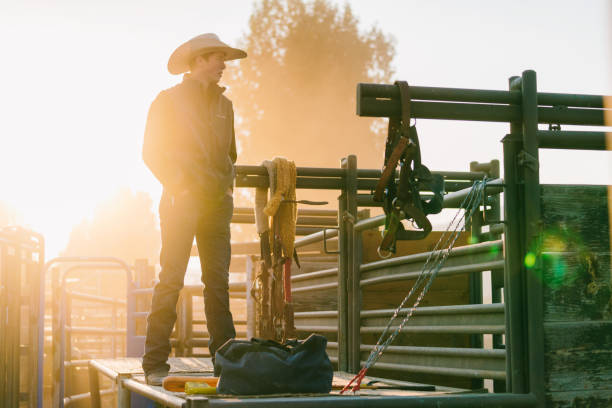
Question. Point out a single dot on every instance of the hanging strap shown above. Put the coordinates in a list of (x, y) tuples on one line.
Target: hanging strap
[(393, 157)]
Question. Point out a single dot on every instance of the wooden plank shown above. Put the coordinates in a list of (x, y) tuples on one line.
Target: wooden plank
[(574, 399), (576, 286), (575, 248), (576, 212), (578, 355)]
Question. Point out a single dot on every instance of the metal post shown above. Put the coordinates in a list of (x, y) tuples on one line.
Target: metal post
[(353, 261), (342, 279), (94, 387), (516, 363), (531, 175), (181, 324), (250, 300), (475, 279), (69, 375), (124, 399)]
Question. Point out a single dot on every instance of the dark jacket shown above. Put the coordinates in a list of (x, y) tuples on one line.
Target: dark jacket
[(189, 140)]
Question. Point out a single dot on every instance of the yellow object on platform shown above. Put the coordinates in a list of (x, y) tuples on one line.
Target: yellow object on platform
[(199, 388), (283, 202)]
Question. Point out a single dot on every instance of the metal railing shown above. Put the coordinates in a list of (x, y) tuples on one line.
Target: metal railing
[(65, 330), (22, 254)]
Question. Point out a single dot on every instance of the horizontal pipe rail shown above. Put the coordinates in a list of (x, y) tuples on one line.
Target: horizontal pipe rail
[(320, 286), (438, 310), (441, 351), (95, 330), (445, 271), (102, 369), (325, 313), (350, 401), (301, 212), (483, 247), (372, 107), (250, 170), (301, 220), (314, 275), (153, 394), (455, 372), (365, 90), (85, 396), (316, 237), (446, 329), (567, 139), (95, 298)]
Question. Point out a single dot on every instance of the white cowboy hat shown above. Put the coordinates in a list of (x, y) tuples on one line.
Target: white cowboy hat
[(186, 52)]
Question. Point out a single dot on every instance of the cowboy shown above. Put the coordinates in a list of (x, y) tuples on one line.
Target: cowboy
[(190, 147)]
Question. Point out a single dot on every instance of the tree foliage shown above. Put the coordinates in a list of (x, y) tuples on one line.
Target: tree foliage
[(295, 92), (124, 226)]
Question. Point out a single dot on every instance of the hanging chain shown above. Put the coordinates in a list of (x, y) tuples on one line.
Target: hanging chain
[(437, 257)]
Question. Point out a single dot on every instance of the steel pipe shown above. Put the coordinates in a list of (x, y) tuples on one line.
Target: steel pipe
[(365, 90), (349, 401), (314, 275), (567, 139), (445, 271), (94, 298), (322, 286), (438, 310), (372, 107), (102, 369), (153, 394), (446, 329), (316, 237), (414, 258), (95, 330), (441, 351), (455, 372)]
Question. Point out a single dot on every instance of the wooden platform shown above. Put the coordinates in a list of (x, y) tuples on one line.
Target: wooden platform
[(130, 368)]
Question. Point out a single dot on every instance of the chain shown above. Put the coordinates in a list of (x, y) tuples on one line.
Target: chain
[(432, 266)]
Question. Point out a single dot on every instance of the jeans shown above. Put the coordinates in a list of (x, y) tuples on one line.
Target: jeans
[(182, 218)]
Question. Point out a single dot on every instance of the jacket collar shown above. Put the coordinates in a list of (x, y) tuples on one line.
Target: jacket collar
[(213, 90)]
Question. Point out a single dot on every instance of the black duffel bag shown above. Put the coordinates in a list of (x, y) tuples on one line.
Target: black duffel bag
[(266, 367)]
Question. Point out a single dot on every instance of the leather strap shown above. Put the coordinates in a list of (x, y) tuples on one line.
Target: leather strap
[(403, 142)]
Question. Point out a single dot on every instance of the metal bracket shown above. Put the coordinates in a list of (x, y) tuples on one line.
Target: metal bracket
[(527, 160), (325, 242)]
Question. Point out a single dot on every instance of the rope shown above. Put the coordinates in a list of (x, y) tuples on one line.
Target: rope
[(432, 266)]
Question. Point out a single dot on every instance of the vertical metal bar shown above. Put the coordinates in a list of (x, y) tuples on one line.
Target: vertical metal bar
[(69, 372), (55, 273), (250, 300), (133, 348), (123, 394), (516, 351), (352, 254), (61, 356), (530, 159), (189, 328), (342, 279), (475, 279), (181, 324), (94, 387), (114, 326), (4, 310), (41, 320), (13, 295)]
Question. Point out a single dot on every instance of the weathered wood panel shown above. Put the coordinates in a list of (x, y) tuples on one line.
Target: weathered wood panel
[(575, 248)]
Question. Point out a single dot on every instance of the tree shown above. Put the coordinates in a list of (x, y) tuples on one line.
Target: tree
[(124, 226), (295, 93)]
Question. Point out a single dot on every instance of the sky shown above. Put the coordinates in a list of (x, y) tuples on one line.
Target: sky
[(78, 77)]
